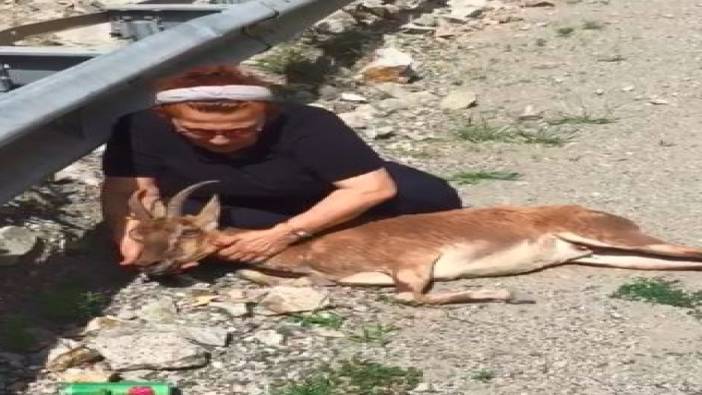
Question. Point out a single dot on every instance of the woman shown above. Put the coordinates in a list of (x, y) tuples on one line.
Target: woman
[(285, 170)]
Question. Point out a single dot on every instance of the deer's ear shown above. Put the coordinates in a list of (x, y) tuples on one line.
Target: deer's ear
[(208, 217), (158, 210), (136, 206)]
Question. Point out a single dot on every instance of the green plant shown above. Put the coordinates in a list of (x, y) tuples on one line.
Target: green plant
[(565, 31), (355, 377), (578, 119), (483, 131), (322, 319), (377, 333), (474, 177), (593, 25), (281, 60), (659, 291), (483, 375), (544, 135)]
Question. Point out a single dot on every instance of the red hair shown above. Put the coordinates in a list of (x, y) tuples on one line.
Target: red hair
[(211, 76)]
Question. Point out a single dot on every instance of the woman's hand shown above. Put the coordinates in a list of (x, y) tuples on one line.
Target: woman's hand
[(130, 250), (254, 246)]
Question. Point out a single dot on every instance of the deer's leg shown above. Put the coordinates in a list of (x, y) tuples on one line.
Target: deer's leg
[(259, 278), (629, 260), (636, 250), (637, 243), (269, 280), (412, 283)]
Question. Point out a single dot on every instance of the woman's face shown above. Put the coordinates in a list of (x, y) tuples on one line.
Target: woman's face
[(221, 132)]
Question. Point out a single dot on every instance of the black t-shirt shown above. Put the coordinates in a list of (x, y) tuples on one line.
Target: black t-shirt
[(300, 153)]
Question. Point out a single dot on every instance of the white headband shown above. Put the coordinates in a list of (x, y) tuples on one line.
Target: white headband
[(218, 92)]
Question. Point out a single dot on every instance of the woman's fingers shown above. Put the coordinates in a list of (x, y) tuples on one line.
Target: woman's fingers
[(189, 265)]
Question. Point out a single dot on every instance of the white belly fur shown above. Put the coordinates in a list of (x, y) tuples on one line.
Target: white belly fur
[(467, 261)]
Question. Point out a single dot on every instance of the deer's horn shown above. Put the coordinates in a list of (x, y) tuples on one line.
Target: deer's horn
[(137, 207), (175, 205)]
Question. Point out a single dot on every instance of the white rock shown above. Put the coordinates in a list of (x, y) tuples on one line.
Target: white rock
[(391, 89), (163, 310), (149, 349), (15, 242), (331, 333), (62, 346), (353, 97), (463, 9), (89, 375), (233, 309), (389, 65), (659, 102), (359, 118), (426, 20), (380, 133), (337, 23), (391, 105), (61, 358), (529, 114), (103, 323), (79, 171), (209, 336), (285, 300), (420, 98), (459, 99), (424, 387), (269, 337), (628, 88)]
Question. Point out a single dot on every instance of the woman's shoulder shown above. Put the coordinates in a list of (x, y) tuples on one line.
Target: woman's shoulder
[(302, 112), (305, 119)]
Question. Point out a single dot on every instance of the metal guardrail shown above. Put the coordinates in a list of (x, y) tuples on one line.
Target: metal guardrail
[(53, 121)]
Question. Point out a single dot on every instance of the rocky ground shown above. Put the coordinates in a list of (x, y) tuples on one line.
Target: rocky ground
[(592, 102)]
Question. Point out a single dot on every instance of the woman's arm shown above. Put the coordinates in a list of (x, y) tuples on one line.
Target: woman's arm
[(352, 198)]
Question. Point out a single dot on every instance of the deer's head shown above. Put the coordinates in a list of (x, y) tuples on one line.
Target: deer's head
[(170, 238)]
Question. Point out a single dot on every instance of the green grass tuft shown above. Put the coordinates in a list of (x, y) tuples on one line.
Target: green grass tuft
[(658, 291), (593, 25), (483, 131), (356, 377), (475, 177), (579, 119), (565, 31), (321, 319), (483, 375), (377, 333), (516, 133)]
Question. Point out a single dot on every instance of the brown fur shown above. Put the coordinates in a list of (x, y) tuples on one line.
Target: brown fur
[(412, 251)]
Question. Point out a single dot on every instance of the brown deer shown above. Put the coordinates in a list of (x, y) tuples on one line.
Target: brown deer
[(412, 251)]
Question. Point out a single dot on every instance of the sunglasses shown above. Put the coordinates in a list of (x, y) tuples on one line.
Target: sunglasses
[(222, 132)]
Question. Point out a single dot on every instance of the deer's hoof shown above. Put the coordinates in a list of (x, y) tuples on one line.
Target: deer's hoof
[(520, 297)]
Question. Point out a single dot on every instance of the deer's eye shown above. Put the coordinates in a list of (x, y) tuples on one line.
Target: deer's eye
[(189, 233)]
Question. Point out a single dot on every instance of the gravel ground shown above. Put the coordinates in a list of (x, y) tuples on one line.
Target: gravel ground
[(638, 64)]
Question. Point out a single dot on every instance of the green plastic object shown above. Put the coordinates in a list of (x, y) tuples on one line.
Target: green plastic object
[(117, 388)]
